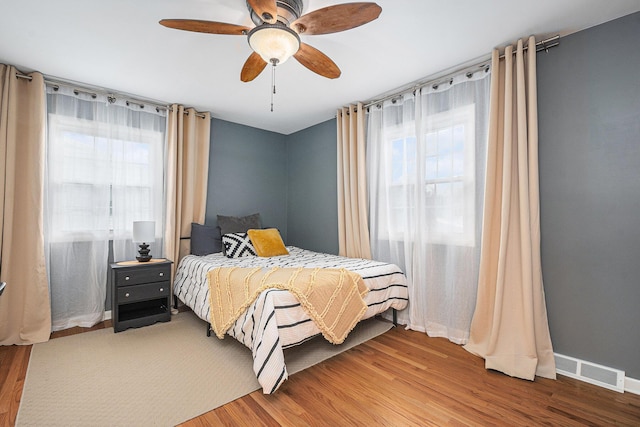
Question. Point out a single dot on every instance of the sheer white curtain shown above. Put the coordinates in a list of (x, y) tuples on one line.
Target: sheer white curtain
[(104, 170), (426, 155)]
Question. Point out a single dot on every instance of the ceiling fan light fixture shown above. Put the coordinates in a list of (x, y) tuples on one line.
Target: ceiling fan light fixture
[(274, 42)]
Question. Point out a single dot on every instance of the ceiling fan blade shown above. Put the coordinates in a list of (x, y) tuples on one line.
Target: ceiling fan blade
[(267, 10), (333, 19), (317, 61), (210, 27), (252, 67)]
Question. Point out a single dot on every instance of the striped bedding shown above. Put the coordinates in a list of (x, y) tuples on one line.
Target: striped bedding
[(276, 320)]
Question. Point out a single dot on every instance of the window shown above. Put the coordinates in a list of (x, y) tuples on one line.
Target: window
[(101, 179), (442, 163)]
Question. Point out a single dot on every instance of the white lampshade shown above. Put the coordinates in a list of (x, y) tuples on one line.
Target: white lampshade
[(144, 231), (274, 42)]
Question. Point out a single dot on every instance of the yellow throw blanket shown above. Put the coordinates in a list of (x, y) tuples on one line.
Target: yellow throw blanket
[(331, 297)]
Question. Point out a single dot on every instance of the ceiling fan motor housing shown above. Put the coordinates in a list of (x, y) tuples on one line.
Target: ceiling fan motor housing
[(288, 11)]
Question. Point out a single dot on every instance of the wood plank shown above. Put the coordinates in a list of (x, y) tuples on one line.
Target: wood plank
[(14, 361)]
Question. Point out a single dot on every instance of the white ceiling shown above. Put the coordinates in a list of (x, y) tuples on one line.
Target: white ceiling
[(119, 45)]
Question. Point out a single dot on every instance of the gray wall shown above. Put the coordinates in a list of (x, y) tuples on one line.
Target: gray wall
[(289, 179), (247, 174), (589, 125), (312, 208)]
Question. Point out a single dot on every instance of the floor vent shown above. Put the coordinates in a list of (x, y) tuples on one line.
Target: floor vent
[(592, 373)]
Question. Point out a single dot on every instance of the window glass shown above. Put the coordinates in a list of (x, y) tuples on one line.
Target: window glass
[(444, 156), (101, 179)]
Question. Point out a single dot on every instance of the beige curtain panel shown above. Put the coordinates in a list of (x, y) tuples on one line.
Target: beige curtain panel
[(353, 227), (509, 327), (25, 312), (187, 174)]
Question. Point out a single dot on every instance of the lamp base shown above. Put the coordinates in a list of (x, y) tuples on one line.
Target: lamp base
[(144, 253)]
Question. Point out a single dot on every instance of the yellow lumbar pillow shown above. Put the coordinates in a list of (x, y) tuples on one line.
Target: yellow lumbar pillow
[(267, 242)]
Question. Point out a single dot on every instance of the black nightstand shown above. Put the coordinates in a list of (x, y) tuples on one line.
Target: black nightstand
[(140, 293)]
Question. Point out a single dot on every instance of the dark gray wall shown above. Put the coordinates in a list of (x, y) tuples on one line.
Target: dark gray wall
[(247, 174), (589, 128), (312, 208), (290, 179)]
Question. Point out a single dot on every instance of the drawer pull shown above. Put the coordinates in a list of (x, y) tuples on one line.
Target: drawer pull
[(126, 278), (126, 295), (161, 274), (161, 289)]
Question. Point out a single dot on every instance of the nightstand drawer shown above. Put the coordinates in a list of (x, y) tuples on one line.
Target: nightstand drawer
[(134, 293), (132, 276)]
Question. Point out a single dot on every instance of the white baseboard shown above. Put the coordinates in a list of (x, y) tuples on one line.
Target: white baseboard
[(632, 385), (106, 315)]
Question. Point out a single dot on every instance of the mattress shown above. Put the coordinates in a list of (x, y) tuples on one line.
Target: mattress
[(276, 320)]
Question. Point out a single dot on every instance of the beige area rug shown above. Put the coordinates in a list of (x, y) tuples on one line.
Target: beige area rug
[(159, 375)]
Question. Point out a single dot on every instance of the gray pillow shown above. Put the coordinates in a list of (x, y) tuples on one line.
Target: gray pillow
[(234, 224), (205, 239)]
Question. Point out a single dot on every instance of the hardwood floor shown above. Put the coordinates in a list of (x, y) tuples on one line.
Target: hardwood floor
[(400, 378)]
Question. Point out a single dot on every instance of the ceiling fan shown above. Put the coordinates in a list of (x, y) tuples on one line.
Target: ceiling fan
[(276, 36)]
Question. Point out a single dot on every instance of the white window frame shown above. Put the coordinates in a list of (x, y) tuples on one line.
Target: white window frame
[(58, 125), (464, 116)]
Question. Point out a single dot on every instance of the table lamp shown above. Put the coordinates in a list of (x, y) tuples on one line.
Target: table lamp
[(144, 232)]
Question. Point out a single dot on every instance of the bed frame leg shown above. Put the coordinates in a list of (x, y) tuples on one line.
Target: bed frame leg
[(208, 329), (395, 317), (175, 301)]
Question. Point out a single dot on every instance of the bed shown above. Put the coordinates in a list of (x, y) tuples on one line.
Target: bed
[(276, 320)]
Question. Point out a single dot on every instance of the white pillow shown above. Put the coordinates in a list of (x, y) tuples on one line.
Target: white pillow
[(236, 245)]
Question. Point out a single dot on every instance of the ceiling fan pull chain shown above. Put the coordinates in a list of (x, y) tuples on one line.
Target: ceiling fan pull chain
[(273, 80)]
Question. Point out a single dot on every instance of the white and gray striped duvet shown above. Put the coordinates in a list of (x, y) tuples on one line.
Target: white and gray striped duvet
[(276, 320)]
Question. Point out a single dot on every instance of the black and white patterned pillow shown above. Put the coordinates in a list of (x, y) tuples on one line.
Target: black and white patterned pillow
[(237, 245)]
